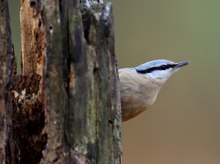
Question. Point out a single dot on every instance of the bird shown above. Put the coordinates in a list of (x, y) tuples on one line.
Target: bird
[(139, 86)]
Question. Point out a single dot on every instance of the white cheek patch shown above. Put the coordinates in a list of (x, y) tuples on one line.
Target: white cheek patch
[(161, 74)]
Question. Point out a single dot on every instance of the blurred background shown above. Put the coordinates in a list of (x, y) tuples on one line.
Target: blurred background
[(182, 127)]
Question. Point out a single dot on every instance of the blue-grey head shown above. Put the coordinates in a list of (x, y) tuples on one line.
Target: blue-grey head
[(160, 69)]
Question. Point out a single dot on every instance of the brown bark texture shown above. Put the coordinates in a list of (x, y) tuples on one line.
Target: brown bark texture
[(65, 106), (7, 69)]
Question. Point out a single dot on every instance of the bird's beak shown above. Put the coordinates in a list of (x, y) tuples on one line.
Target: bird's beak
[(181, 64)]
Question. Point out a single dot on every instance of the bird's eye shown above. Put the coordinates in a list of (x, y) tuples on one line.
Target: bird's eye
[(163, 67)]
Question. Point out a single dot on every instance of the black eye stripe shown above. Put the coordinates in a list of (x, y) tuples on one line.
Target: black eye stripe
[(162, 67)]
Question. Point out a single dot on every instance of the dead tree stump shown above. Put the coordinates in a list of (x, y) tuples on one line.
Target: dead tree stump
[(65, 106)]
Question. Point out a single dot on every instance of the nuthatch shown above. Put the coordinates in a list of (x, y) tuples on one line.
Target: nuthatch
[(139, 86)]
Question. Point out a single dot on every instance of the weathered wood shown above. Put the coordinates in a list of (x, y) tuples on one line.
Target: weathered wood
[(25, 105), (100, 73), (65, 107), (33, 39), (25, 120), (7, 68), (56, 82), (83, 109)]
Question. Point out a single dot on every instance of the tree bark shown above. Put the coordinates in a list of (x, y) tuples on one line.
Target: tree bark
[(7, 68), (65, 106)]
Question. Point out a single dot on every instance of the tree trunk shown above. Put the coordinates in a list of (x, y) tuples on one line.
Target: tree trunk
[(65, 106), (7, 69)]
